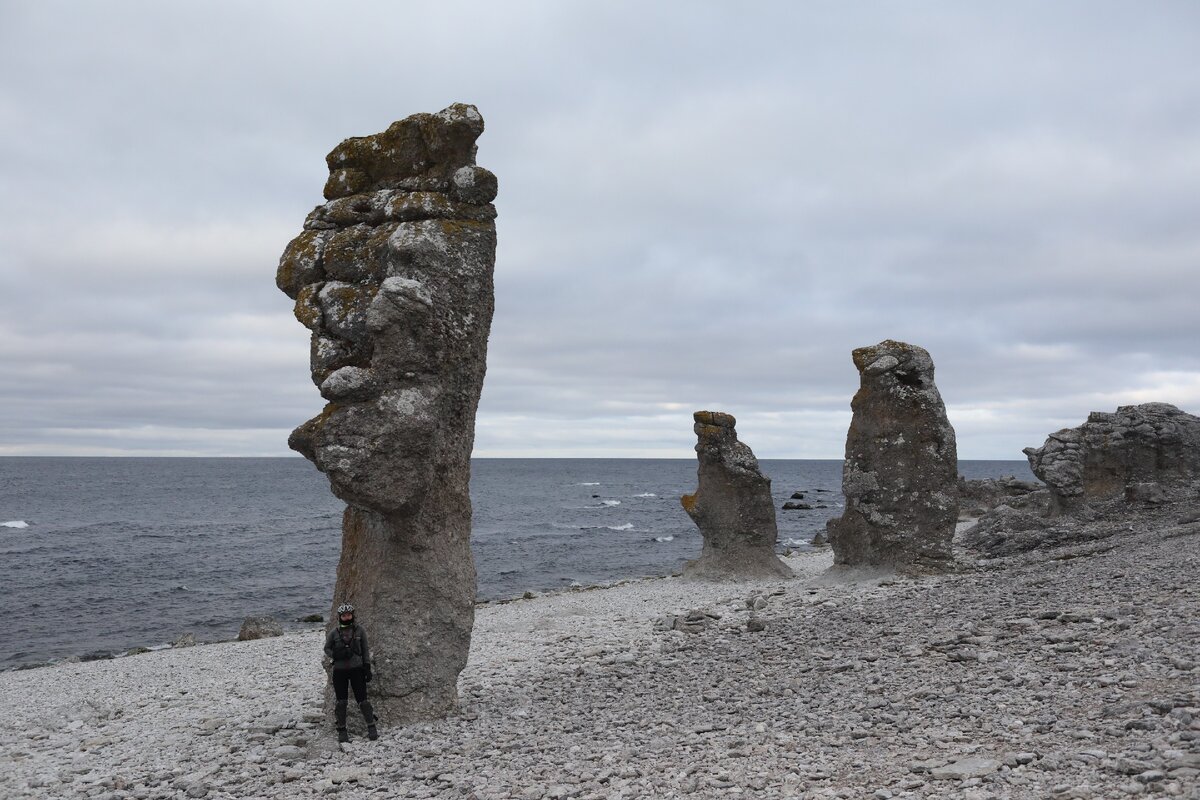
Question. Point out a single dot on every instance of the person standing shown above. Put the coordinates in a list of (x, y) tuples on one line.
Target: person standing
[(347, 646)]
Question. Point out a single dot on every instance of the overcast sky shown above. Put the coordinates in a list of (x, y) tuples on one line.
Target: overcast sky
[(702, 206)]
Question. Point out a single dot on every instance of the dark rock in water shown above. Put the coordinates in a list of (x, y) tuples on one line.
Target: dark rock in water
[(790, 506), (259, 628), (901, 466), (393, 276), (1120, 455), (797, 495), (732, 506), (313, 618)]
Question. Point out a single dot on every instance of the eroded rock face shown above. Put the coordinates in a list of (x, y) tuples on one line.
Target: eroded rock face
[(901, 466), (393, 276), (1140, 453), (979, 496), (732, 506)]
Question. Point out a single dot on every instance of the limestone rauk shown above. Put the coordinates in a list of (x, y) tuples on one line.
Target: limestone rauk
[(393, 276), (732, 506), (1140, 452), (901, 469), (1117, 472)]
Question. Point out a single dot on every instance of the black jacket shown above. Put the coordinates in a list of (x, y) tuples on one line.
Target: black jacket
[(348, 656)]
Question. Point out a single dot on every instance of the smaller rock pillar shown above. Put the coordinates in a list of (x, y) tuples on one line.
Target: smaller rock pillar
[(732, 507), (901, 470)]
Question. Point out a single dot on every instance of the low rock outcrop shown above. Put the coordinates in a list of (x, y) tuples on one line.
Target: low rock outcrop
[(901, 467), (259, 627), (1110, 476), (1139, 453), (393, 276), (732, 506), (978, 496)]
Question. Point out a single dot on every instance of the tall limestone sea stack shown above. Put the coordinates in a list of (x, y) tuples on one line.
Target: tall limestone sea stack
[(393, 276), (732, 506), (901, 469)]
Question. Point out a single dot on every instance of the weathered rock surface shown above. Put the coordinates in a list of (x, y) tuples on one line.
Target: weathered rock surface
[(258, 627), (978, 496), (1140, 453), (1101, 478), (732, 506), (901, 467), (393, 276)]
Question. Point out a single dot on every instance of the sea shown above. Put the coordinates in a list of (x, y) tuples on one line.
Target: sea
[(104, 555)]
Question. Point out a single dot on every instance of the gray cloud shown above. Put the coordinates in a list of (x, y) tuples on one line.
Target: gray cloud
[(698, 208)]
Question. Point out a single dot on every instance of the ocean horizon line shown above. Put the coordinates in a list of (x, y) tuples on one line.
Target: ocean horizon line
[(473, 458)]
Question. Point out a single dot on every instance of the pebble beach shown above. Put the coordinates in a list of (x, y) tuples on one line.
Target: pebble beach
[(1064, 673)]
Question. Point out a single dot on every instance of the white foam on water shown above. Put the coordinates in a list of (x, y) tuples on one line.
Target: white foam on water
[(610, 502), (664, 538), (628, 526), (597, 483), (646, 494), (16, 523)]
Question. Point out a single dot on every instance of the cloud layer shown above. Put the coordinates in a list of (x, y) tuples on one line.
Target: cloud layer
[(700, 207)]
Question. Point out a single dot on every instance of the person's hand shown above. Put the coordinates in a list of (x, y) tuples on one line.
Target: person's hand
[(367, 674)]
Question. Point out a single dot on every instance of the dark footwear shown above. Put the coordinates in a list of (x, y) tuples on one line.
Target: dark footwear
[(368, 712), (339, 714), (372, 732)]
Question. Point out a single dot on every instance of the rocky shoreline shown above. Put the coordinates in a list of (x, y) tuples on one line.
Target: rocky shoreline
[(1068, 672)]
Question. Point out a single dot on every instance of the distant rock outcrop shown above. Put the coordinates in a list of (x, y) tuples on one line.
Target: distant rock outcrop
[(901, 467), (393, 276), (732, 506), (1139, 453)]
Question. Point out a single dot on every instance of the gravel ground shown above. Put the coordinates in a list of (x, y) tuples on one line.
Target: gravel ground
[(1067, 673)]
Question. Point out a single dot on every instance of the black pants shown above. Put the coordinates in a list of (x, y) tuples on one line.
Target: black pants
[(345, 678)]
